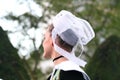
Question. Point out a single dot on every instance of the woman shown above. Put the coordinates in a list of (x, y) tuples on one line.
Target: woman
[(62, 37)]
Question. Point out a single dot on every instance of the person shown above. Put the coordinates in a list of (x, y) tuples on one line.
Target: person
[(62, 38)]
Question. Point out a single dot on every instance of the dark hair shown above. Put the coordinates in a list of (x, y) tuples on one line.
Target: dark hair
[(59, 41), (50, 27), (63, 44)]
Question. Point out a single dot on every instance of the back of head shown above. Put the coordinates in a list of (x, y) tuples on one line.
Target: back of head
[(72, 31)]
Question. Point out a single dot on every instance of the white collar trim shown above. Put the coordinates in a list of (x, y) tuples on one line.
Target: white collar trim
[(68, 65)]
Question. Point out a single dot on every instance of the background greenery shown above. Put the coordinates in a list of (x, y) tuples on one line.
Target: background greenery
[(105, 65), (11, 66), (101, 53)]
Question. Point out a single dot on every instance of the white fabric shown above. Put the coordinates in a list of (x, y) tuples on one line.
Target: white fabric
[(70, 56), (66, 20), (82, 29), (70, 66)]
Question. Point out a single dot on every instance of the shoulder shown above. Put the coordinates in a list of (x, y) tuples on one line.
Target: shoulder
[(68, 65), (71, 75), (70, 71), (68, 75)]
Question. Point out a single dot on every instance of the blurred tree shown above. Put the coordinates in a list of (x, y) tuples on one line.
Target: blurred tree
[(11, 66), (102, 14), (105, 63), (28, 21)]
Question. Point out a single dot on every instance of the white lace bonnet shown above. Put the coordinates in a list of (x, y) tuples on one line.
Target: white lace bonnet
[(72, 30)]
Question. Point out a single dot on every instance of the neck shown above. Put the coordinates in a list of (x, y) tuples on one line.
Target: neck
[(57, 58)]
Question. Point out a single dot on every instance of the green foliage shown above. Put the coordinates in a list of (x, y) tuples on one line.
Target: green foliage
[(11, 66), (27, 20), (105, 63), (58, 5), (33, 63), (102, 14)]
